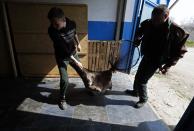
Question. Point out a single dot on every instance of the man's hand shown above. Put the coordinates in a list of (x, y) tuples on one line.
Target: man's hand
[(77, 62), (78, 47), (137, 41), (78, 43), (164, 69)]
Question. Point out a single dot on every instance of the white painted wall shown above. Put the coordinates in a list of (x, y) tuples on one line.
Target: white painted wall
[(129, 10)]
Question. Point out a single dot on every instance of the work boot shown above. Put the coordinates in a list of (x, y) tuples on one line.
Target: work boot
[(62, 104), (140, 104), (132, 93)]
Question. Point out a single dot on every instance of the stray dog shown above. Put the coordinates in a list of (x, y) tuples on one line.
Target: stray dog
[(101, 80)]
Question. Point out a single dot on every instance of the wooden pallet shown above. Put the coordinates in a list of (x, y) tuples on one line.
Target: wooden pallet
[(101, 53)]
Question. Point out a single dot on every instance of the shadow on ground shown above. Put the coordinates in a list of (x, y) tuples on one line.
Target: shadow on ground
[(28, 105), (41, 122)]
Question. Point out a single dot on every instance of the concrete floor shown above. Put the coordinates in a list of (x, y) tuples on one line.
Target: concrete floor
[(31, 105)]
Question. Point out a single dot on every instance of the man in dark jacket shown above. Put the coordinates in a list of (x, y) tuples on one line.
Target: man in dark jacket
[(62, 32), (162, 45)]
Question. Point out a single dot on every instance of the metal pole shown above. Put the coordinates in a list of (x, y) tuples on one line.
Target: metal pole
[(135, 25), (120, 11), (173, 4), (7, 31)]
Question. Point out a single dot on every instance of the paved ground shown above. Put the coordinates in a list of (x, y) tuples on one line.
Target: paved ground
[(183, 73), (171, 94), (30, 105)]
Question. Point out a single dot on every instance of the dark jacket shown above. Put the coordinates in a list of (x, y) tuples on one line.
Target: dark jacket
[(64, 40), (164, 44)]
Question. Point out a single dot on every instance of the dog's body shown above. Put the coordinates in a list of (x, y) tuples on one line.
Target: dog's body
[(101, 81)]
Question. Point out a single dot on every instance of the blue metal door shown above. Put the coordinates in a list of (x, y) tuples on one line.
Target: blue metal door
[(144, 12), (128, 28)]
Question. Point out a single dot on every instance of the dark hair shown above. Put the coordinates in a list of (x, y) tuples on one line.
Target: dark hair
[(160, 10), (55, 13)]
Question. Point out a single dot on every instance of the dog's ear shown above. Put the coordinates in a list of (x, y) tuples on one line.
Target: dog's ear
[(113, 62)]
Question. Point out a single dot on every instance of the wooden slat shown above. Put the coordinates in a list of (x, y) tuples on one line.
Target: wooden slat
[(102, 54), (113, 51), (105, 57), (93, 56), (89, 52), (118, 49), (108, 55), (98, 57), (90, 56)]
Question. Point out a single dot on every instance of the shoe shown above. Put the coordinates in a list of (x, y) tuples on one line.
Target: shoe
[(140, 104), (132, 93), (62, 105)]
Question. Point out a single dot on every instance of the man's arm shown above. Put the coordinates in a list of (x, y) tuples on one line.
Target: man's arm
[(76, 61), (140, 32), (76, 39), (77, 42), (180, 49)]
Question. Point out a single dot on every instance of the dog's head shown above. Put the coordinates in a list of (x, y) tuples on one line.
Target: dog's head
[(113, 61)]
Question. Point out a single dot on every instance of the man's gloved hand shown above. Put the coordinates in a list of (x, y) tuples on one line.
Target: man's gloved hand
[(164, 69)]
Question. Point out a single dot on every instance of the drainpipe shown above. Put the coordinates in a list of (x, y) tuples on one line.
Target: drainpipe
[(173, 4), (120, 14), (7, 31)]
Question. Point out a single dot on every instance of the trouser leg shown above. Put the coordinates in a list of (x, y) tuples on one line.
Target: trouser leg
[(145, 71), (63, 79), (82, 73)]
